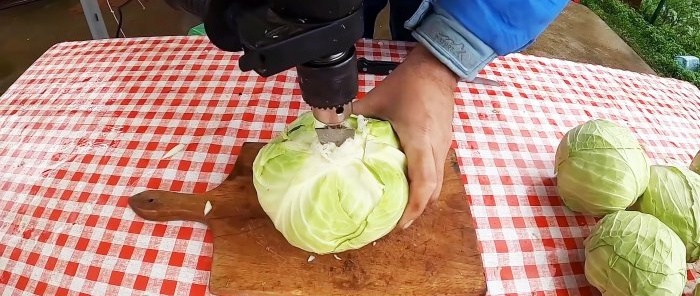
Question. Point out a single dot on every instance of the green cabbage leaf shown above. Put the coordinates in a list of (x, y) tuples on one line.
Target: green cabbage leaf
[(673, 196), (630, 253), (601, 168)]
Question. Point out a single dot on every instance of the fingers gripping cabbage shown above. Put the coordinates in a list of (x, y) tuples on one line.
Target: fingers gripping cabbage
[(673, 196), (630, 253), (601, 168), (327, 199)]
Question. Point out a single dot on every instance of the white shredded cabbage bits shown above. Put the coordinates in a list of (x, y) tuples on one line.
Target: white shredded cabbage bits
[(207, 208), (178, 148)]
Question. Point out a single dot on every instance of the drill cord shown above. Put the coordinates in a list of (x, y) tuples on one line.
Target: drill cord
[(120, 20)]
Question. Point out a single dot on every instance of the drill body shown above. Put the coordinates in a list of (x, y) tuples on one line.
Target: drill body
[(315, 37)]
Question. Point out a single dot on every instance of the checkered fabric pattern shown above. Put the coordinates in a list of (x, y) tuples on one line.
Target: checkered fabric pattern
[(88, 125)]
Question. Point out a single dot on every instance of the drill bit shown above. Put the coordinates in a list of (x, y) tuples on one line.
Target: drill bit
[(336, 135), (334, 130)]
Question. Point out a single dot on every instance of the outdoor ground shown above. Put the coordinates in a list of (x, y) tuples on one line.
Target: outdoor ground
[(29, 30), (580, 35)]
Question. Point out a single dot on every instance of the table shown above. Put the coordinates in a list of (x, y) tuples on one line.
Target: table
[(89, 124)]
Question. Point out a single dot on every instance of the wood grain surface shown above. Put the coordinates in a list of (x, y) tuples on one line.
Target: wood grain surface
[(437, 255)]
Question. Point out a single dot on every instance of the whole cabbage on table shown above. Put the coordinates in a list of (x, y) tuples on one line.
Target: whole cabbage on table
[(673, 196), (630, 253), (600, 168), (328, 199)]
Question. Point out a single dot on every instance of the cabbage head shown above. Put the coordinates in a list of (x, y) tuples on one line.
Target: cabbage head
[(630, 253), (328, 199), (601, 168), (673, 196)]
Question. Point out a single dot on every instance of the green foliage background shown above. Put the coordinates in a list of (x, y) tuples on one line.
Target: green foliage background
[(675, 32), (679, 16)]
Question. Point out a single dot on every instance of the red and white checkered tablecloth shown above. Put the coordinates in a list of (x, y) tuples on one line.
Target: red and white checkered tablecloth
[(88, 124)]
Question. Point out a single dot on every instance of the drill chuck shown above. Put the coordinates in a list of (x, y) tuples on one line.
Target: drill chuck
[(329, 82)]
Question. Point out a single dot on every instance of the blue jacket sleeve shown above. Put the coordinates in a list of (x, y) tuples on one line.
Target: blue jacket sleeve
[(468, 34), (505, 25)]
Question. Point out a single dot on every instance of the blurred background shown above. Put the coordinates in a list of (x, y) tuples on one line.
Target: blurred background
[(29, 27)]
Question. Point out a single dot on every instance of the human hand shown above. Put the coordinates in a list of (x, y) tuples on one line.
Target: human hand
[(418, 99)]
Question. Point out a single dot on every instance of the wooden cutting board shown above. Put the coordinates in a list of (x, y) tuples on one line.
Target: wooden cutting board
[(437, 255)]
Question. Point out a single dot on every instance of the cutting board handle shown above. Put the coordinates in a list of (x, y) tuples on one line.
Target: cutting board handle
[(157, 205)]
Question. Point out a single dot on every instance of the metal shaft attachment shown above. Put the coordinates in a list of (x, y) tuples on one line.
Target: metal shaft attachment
[(333, 117)]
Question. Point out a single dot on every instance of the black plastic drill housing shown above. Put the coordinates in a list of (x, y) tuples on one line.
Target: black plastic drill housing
[(315, 36)]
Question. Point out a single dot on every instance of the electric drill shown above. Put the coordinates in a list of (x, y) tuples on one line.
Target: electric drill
[(316, 37)]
